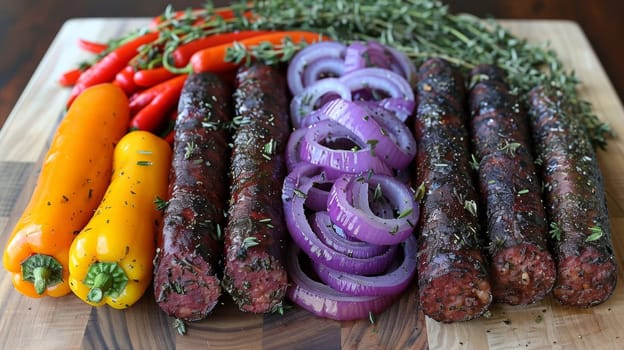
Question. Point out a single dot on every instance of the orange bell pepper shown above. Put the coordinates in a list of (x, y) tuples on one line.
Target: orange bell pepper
[(111, 259), (74, 176)]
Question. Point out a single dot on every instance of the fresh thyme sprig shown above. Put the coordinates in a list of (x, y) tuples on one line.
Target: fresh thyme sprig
[(424, 29), (420, 28)]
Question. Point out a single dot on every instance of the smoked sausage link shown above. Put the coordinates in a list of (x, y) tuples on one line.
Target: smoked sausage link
[(575, 200), (186, 282), (255, 235), (452, 277), (522, 269)]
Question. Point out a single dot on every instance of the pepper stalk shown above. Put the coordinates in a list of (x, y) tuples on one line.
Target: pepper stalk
[(43, 271), (105, 279)]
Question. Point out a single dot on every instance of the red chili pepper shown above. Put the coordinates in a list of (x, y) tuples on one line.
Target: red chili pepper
[(125, 80), (105, 70), (91, 46), (182, 54), (70, 77), (152, 116), (141, 99), (151, 77), (212, 59)]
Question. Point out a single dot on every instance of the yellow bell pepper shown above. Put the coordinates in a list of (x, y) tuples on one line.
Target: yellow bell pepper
[(71, 184), (110, 261)]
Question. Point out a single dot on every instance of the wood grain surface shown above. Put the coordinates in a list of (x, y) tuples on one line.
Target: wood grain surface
[(68, 323)]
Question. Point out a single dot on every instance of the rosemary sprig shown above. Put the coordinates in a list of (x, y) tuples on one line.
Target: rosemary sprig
[(424, 29)]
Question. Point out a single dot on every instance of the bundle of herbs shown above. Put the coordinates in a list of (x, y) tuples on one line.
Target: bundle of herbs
[(420, 28)]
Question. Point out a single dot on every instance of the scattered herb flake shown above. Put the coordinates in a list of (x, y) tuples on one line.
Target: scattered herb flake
[(161, 204), (474, 163), (249, 242), (377, 194), (179, 326), (596, 234), (471, 206), (373, 144), (189, 148), (405, 213), (299, 193), (509, 147), (555, 231), (420, 192)]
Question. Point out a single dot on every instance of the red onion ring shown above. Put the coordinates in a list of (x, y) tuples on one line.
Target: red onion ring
[(391, 283), (405, 65), (391, 83), (305, 102), (307, 55), (401, 107), (360, 55), (303, 235), (393, 141), (323, 68), (326, 232), (323, 301), (354, 216), (316, 198), (292, 148), (361, 160)]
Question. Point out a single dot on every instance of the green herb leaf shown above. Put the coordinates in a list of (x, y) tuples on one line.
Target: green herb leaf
[(474, 163), (420, 192), (249, 242), (377, 194), (596, 234), (509, 147), (160, 203), (372, 144), (189, 149), (555, 231), (371, 317), (471, 206), (405, 213)]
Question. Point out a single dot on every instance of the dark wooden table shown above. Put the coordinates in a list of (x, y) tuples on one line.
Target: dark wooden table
[(27, 28)]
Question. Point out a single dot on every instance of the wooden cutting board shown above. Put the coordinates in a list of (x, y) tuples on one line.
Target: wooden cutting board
[(68, 323)]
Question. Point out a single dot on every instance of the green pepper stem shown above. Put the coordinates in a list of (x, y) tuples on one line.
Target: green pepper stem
[(103, 282), (43, 271), (41, 275), (105, 279)]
